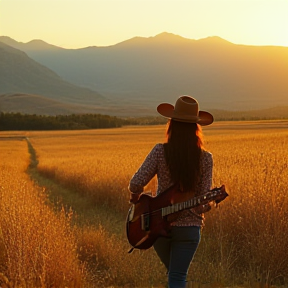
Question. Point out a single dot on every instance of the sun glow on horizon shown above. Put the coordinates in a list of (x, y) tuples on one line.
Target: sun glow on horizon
[(82, 23)]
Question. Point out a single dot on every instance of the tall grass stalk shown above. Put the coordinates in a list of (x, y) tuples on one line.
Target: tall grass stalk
[(38, 246)]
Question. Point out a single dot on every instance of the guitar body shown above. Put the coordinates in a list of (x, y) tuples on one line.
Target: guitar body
[(147, 218), (154, 225)]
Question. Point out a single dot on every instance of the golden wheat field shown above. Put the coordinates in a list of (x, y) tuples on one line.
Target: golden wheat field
[(64, 200)]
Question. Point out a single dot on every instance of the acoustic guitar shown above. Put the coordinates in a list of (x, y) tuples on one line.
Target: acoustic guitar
[(147, 218)]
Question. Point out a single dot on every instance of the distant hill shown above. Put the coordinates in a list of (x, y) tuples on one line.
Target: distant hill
[(145, 71), (31, 45), (273, 113), (41, 105), (21, 74)]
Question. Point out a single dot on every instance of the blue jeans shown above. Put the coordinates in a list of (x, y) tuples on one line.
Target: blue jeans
[(177, 252)]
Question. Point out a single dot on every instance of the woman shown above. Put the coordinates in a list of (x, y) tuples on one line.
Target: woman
[(182, 159)]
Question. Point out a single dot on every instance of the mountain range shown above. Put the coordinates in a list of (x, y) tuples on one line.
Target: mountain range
[(132, 77)]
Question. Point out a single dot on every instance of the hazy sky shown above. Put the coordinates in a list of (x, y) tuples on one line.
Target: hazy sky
[(82, 23)]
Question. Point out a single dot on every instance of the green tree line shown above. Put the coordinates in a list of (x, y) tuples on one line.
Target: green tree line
[(18, 121)]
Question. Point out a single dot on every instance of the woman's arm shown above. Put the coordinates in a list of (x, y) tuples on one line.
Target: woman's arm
[(145, 173)]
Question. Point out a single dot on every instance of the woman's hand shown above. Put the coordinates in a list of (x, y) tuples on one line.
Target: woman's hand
[(134, 197), (202, 208)]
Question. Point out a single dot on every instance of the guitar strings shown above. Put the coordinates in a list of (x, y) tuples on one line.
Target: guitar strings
[(205, 196)]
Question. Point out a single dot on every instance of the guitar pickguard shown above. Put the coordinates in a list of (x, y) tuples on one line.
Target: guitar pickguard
[(131, 212)]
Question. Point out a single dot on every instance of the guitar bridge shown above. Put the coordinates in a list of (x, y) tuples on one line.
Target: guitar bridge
[(145, 222)]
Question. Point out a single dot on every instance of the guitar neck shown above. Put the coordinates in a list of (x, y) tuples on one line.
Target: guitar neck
[(183, 205)]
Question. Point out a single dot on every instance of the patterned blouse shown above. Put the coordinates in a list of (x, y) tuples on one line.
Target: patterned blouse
[(155, 164)]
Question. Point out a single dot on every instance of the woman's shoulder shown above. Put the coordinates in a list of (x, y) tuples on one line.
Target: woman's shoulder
[(159, 146), (207, 155), (158, 149)]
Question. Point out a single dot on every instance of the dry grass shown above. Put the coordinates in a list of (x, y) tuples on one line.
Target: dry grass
[(38, 247), (102, 161), (251, 228), (243, 243)]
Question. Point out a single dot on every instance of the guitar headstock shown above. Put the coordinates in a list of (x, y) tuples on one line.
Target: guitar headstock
[(217, 194), (221, 195)]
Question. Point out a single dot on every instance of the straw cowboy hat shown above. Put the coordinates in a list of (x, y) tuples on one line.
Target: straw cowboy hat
[(186, 110)]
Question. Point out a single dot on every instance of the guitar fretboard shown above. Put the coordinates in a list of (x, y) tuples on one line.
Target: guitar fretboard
[(183, 205)]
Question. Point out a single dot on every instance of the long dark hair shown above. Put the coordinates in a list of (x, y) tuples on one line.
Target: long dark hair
[(182, 153)]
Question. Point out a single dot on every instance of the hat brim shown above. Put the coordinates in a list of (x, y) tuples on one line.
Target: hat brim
[(167, 110)]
